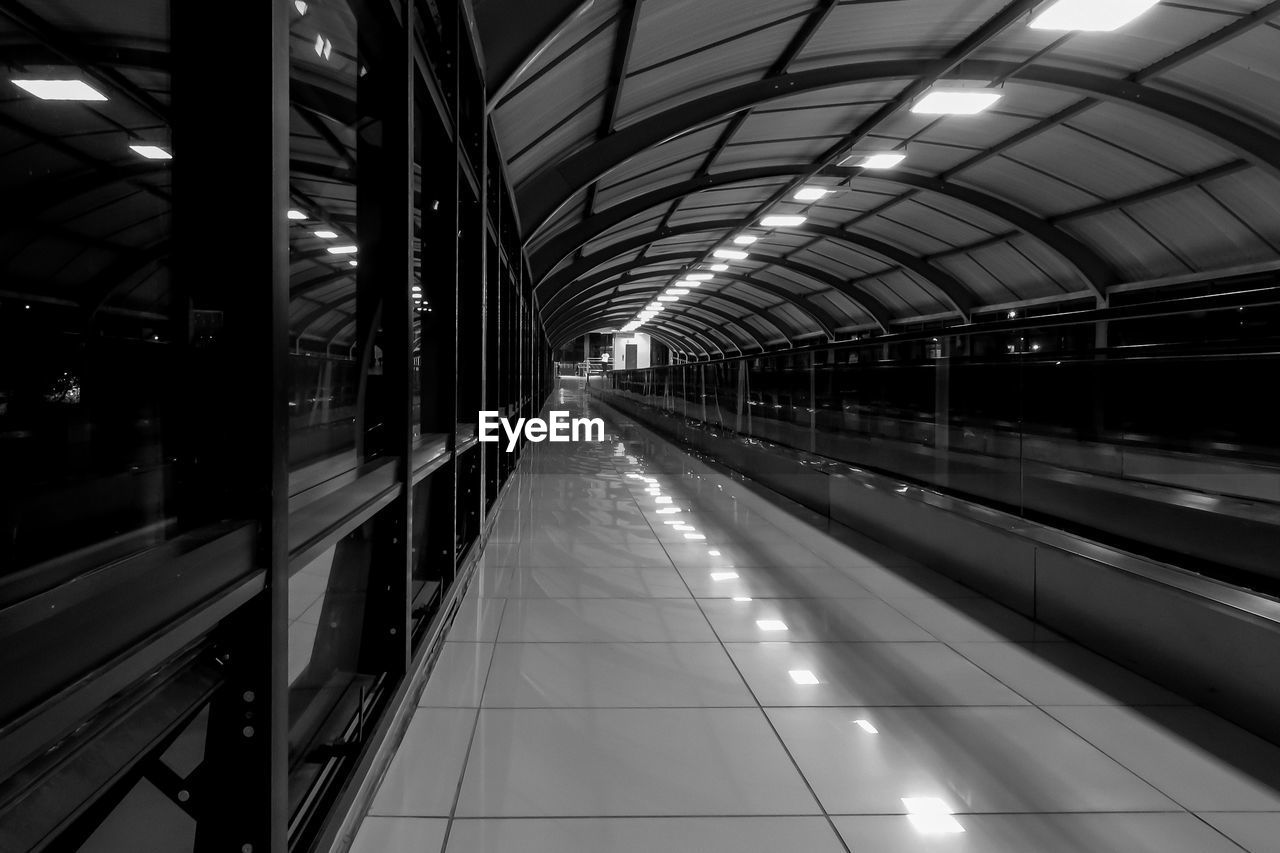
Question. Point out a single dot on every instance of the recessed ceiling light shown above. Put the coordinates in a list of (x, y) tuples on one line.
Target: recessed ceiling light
[(669, 510), (297, 214), (930, 815), (883, 160), (677, 291), (956, 102), (151, 152), (744, 239), (714, 553), (668, 298), (353, 263), (301, 6), (771, 625), (783, 221), (665, 499), (1090, 15), (60, 90), (730, 254), (700, 276), (694, 536), (655, 306), (803, 676), (417, 288), (343, 250), (812, 194), (866, 727), (688, 284), (676, 525), (719, 267), (325, 235)]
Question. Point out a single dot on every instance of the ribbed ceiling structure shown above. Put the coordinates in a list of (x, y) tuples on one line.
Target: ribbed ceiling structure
[(642, 135)]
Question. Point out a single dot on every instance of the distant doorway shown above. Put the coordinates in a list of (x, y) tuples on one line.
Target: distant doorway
[(630, 362)]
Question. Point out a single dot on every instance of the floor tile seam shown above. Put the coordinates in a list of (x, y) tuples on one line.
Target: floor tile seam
[(1044, 710), (777, 735), (953, 645), (794, 815), (466, 757)]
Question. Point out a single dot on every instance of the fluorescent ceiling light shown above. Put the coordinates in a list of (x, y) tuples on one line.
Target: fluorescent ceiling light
[(688, 284), (655, 306), (60, 90), (669, 510), (700, 276), (301, 6), (325, 235), (744, 240), (866, 727), (1090, 15), (812, 194), (741, 598), (714, 553), (771, 625), (803, 676), (676, 525), (677, 291), (297, 214), (719, 267), (782, 221), (930, 815), (151, 152), (665, 499), (719, 577), (694, 536), (668, 298), (730, 254), (417, 288), (883, 160), (956, 102), (353, 263), (343, 250)]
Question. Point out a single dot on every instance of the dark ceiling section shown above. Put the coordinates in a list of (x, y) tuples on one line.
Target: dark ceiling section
[(646, 134)]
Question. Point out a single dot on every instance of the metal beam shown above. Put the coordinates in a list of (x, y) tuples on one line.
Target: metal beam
[(956, 294), (823, 319), (1097, 272), (546, 191), (875, 309)]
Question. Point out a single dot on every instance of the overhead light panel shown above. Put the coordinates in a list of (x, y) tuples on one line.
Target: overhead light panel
[(677, 291), (700, 276), (353, 263), (151, 152), (655, 306), (668, 298), (944, 101), (343, 250), (60, 90), (730, 254), (297, 215), (719, 267), (325, 235), (812, 194), (783, 221), (683, 283), (301, 6), (744, 240), (1099, 16), (876, 160)]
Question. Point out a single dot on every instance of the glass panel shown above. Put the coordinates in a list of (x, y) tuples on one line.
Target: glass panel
[(87, 312)]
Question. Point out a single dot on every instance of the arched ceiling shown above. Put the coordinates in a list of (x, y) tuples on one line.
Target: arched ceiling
[(641, 135)]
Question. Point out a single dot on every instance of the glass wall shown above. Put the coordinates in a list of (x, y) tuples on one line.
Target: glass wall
[(255, 290), (1145, 425)]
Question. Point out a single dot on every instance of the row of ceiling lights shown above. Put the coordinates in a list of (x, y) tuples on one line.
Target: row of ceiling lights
[(954, 99), (79, 90)]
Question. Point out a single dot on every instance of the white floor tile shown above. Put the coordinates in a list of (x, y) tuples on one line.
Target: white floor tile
[(810, 619), (1257, 832), (866, 674), (574, 553), (1064, 674), (1011, 759), (582, 582), (400, 835), (604, 620), (1195, 757), (781, 582), (457, 679), (629, 763), (645, 835), (1034, 833), (972, 620), (477, 620), (624, 675), (423, 777)]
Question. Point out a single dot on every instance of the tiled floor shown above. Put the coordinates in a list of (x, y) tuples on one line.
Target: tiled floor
[(613, 683)]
